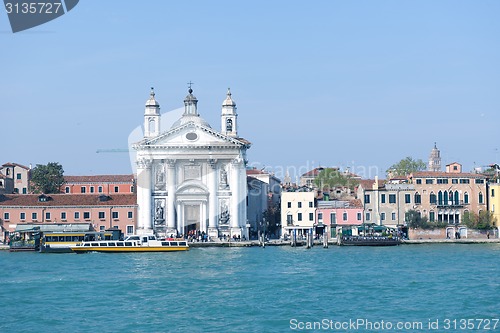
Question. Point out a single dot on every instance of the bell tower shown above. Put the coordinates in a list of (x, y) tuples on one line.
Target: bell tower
[(152, 116), (229, 125), (434, 159)]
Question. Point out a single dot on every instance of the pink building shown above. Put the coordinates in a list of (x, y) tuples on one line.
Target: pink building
[(99, 184), (340, 213), (103, 211)]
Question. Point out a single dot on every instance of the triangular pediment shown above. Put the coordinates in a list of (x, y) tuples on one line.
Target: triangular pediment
[(191, 134)]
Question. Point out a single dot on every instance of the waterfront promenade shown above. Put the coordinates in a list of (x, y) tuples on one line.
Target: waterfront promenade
[(277, 242)]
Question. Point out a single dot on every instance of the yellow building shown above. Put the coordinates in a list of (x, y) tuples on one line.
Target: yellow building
[(297, 212), (494, 202)]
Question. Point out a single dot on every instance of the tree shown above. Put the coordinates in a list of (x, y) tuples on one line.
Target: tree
[(331, 178), (415, 220), (484, 220), (405, 167), (47, 178)]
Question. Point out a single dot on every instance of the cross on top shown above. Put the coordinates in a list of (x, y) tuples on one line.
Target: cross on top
[(189, 84)]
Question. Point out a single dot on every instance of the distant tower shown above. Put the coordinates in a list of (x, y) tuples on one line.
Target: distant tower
[(229, 124), (434, 159), (152, 116), (190, 104)]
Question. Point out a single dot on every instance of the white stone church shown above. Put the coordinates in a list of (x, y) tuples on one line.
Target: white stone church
[(191, 177)]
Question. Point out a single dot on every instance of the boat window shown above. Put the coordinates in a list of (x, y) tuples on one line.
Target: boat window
[(164, 243), (151, 237), (182, 244), (111, 244), (104, 244), (61, 239), (119, 243), (174, 243), (144, 239), (95, 244), (128, 243), (86, 244)]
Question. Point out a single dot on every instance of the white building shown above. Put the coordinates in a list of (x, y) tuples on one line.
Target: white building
[(192, 177)]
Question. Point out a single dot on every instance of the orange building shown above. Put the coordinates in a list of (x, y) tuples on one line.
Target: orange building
[(101, 210)]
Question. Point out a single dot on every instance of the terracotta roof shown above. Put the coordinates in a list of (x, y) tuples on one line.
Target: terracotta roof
[(100, 179), (67, 200), (441, 174), (356, 203), (3, 176), (256, 172), (367, 184), (15, 164)]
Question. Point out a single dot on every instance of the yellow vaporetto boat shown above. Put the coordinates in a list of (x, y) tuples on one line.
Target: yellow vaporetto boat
[(146, 243)]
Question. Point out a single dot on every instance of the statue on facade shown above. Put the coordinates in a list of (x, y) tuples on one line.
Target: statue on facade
[(159, 212), (160, 178), (223, 178), (224, 214)]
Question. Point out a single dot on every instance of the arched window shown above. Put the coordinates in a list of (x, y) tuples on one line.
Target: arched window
[(432, 198), (440, 198), (7, 172), (151, 125), (466, 198), (229, 125), (432, 216), (418, 198), (481, 198), (457, 198), (450, 198)]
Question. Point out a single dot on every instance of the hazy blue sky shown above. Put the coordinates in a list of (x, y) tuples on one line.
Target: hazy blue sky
[(345, 83)]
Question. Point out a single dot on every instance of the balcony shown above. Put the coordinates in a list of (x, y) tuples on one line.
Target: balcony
[(452, 204)]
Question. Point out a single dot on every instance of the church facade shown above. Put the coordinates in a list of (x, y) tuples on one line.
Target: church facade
[(191, 177)]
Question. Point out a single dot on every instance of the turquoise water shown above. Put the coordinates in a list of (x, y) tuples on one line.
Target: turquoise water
[(276, 289)]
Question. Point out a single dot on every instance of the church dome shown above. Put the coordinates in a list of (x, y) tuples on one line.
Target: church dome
[(190, 118)]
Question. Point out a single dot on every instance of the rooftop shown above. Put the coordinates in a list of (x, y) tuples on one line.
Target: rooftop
[(100, 179), (54, 200)]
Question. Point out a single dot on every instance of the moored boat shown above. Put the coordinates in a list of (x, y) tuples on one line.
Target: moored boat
[(133, 243), (369, 241)]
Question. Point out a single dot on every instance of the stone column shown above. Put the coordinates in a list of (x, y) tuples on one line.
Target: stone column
[(235, 204), (212, 199), (144, 222), (171, 177)]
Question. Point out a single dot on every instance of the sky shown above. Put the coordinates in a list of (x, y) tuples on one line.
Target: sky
[(358, 84)]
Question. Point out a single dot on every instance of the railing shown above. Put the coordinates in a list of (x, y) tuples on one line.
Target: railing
[(452, 204)]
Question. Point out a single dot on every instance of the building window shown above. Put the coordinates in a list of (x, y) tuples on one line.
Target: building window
[(419, 181), (310, 204), (320, 217), (408, 198), (368, 216), (311, 216), (429, 181), (66, 190), (63, 216), (479, 181), (432, 198), (18, 176), (382, 216), (99, 189), (33, 216), (102, 215), (333, 218), (442, 181), (86, 215), (131, 189), (392, 198), (466, 198), (299, 204), (47, 216), (91, 189), (367, 198), (454, 181), (82, 189), (289, 219), (22, 216), (418, 198), (440, 198), (116, 189), (393, 216), (464, 181), (432, 216), (130, 230), (457, 198), (344, 216), (25, 190), (481, 199), (359, 216), (492, 192), (6, 216), (77, 215), (382, 198), (102, 228), (289, 205), (299, 217), (115, 215), (130, 215)]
